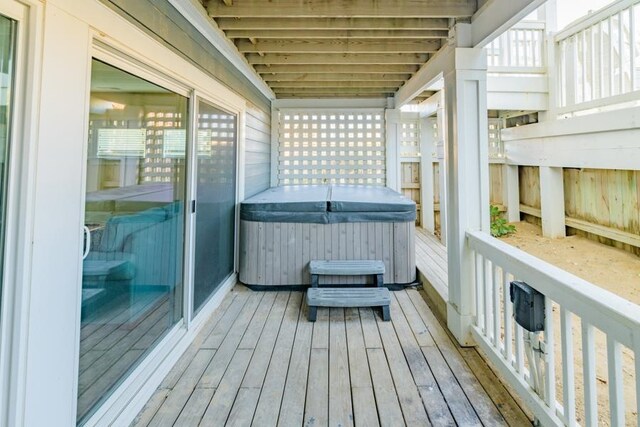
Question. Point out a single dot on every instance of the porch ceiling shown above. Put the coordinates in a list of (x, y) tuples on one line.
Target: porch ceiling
[(337, 48)]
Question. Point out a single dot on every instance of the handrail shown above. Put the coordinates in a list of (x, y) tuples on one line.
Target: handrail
[(576, 294), (593, 18), (566, 296)]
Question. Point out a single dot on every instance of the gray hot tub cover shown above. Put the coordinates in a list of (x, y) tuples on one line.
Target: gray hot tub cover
[(323, 204)]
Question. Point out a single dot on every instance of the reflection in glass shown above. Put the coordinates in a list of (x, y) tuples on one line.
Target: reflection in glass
[(215, 201), (134, 227), (7, 43)]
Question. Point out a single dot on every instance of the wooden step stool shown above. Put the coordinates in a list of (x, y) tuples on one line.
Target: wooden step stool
[(347, 297)]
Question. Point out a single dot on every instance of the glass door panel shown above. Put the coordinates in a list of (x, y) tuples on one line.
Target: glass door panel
[(215, 201), (132, 276), (7, 53)]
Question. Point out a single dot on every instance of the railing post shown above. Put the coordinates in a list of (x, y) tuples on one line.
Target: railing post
[(426, 173), (467, 175)]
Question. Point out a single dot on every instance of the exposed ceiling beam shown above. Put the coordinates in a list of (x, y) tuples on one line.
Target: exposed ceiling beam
[(497, 16), (318, 77), (339, 46), (337, 92), (341, 8), (337, 34), (342, 69), (338, 84), (228, 2), (332, 98), (333, 24), (338, 58)]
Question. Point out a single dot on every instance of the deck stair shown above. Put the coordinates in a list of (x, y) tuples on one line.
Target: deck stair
[(347, 296)]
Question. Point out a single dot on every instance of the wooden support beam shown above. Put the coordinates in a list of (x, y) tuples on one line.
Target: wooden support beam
[(552, 202), (330, 68), (344, 9), (391, 86), (279, 23), (339, 46), (317, 77), (337, 34), (228, 2), (338, 58), (331, 97), (337, 92)]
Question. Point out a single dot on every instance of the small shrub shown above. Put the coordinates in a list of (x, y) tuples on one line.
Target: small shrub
[(499, 225)]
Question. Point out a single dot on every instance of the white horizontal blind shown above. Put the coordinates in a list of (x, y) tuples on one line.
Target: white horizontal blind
[(331, 146)]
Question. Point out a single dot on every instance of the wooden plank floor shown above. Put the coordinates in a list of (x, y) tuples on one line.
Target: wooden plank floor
[(259, 362)]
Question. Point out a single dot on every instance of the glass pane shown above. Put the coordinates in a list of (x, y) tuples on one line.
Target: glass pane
[(134, 217), (7, 45), (215, 201)]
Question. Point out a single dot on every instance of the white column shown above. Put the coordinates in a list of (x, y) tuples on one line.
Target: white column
[(552, 201), (441, 149), (511, 191), (392, 119), (426, 173), (468, 179)]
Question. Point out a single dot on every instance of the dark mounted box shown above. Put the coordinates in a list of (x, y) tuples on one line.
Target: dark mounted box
[(528, 306)]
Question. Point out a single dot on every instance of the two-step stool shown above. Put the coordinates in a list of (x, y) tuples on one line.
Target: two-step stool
[(347, 297)]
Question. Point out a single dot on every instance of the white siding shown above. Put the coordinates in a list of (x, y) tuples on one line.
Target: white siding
[(257, 150)]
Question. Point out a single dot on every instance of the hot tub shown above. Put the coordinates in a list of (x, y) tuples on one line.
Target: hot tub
[(283, 228)]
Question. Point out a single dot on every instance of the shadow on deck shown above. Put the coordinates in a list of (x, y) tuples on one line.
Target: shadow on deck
[(258, 361)]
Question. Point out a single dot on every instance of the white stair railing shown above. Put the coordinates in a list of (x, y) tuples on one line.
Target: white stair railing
[(518, 50), (581, 320), (599, 58)]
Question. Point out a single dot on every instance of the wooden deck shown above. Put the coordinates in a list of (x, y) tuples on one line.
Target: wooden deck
[(258, 361)]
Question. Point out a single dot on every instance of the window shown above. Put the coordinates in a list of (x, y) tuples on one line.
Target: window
[(132, 279)]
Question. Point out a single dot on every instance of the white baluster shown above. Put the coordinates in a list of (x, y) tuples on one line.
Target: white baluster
[(568, 374), (616, 394)]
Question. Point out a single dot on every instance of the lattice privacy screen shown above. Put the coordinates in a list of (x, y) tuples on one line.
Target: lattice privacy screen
[(410, 139), (496, 146), (331, 146)]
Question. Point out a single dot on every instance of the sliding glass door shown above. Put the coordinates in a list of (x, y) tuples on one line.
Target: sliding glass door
[(132, 277), (215, 201), (7, 64)]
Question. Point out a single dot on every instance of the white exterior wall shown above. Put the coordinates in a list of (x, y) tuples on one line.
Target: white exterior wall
[(41, 323)]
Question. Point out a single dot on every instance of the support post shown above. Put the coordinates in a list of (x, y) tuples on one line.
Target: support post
[(511, 191), (392, 119), (426, 173), (552, 201), (441, 148), (468, 177)]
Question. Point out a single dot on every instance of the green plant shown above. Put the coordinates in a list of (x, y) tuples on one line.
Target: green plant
[(499, 225)]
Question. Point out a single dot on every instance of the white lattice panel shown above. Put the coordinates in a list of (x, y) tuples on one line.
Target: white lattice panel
[(331, 146), (410, 139), (496, 147)]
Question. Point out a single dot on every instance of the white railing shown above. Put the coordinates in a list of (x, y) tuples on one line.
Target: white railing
[(582, 320), (518, 50), (599, 58)]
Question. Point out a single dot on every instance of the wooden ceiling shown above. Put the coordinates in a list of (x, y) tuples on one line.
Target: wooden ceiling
[(337, 48)]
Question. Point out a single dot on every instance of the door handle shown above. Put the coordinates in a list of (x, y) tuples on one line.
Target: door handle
[(87, 242)]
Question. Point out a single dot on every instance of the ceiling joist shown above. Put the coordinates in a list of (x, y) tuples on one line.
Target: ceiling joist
[(323, 77), (380, 24), (344, 9), (336, 34), (338, 58), (338, 84), (338, 46), (331, 68)]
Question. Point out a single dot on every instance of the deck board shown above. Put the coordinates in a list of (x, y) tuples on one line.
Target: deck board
[(347, 368)]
